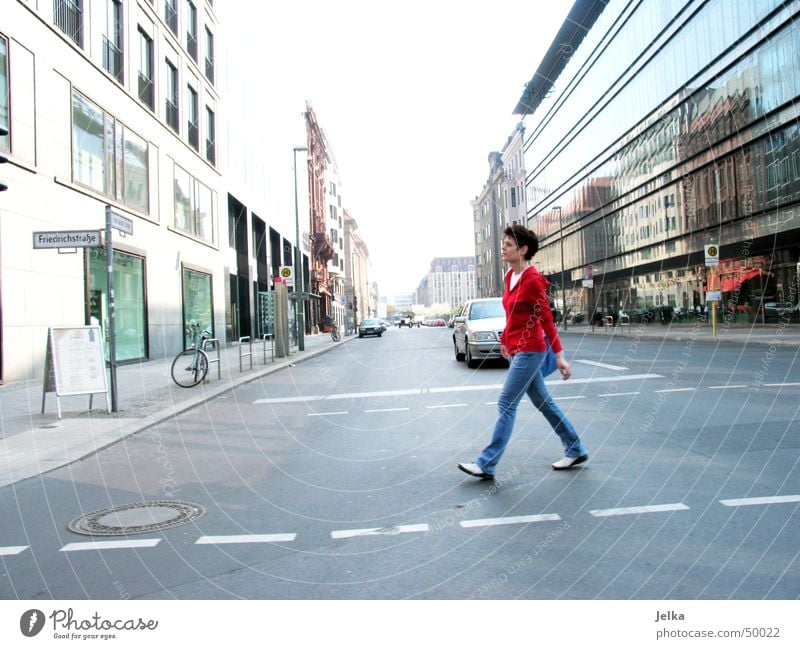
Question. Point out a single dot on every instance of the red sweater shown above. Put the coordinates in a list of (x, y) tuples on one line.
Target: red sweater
[(528, 315)]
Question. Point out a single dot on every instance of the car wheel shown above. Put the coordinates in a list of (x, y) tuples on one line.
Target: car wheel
[(471, 362), (459, 355)]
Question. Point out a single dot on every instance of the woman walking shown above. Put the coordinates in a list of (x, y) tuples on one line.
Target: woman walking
[(528, 320)]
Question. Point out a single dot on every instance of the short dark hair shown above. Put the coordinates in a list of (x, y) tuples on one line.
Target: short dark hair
[(524, 237)]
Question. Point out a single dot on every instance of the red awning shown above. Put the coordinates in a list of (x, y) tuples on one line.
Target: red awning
[(730, 284)]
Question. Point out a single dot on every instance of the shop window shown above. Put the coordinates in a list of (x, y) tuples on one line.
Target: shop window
[(197, 303), (130, 309)]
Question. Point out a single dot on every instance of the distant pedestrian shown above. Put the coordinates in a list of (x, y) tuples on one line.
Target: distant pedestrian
[(528, 320)]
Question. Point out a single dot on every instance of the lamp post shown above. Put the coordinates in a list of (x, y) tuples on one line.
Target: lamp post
[(563, 287), (298, 266)]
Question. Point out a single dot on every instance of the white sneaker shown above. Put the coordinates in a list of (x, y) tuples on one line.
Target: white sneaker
[(569, 462), (474, 470)]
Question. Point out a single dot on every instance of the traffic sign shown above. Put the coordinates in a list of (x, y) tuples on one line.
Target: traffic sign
[(67, 239), (287, 274), (712, 255), (121, 223)]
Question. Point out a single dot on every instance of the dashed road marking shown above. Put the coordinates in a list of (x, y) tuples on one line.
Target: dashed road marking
[(603, 365), (766, 500), (378, 531), (678, 390), (779, 385), (448, 405), (510, 520), (646, 509), (618, 394), (726, 387), (327, 414), (387, 410), (11, 550), (246, 538), (110, 545)]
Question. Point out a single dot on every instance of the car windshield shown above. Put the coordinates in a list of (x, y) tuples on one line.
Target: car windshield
[(370, 323), (488, 309)]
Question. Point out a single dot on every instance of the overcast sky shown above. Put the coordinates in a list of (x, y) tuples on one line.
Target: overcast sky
[(412, 96)]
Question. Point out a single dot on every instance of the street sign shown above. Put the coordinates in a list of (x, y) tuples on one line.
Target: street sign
[(287, 274), (121, 223), (712, 255), (67, 239)]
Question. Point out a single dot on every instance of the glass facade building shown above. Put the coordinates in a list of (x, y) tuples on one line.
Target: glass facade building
[(665, 126)]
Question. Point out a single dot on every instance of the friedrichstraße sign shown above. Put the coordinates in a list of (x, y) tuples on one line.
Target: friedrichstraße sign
[(67, 239)]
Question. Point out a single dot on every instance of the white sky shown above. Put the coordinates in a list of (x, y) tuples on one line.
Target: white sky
[(412, 96)]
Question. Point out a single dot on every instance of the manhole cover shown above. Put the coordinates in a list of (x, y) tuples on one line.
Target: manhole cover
[(136, 518)]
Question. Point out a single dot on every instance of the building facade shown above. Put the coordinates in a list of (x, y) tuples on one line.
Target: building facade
[(488, 217), (357, 285), (513, 185), (654, 129), (450, 281), (110, 104)]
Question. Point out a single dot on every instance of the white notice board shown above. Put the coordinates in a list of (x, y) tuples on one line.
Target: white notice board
[(75, 363)]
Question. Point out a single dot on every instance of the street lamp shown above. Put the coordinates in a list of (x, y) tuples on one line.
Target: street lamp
[(298, 266), (563, 287)]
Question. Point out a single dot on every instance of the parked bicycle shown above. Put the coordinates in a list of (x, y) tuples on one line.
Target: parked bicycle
[(190, 367), (335, 333)]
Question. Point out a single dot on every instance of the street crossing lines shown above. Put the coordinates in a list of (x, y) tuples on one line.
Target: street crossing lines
[(110, 545), (646, 509), (327, 414), (606, 366), (387, 531), (11, 550), (766, 500), (246, 538), (510, 520)]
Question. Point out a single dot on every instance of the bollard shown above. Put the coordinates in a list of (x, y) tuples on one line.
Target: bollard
[(249, 342), (214, 342)]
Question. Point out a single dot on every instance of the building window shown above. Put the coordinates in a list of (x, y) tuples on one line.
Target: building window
[(194, 206), (171, 100), (129, 302), (193, 118), (211, 137), (4, 121), (197, 302), (191, 29), (68, 17), (113, 60), (209, 55), (146, 94), (108, 157), (171, 15)]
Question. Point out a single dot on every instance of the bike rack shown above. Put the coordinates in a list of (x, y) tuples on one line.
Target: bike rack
[(271, 339), (625, 321), (608, 323), (214, 343), (246, 339)]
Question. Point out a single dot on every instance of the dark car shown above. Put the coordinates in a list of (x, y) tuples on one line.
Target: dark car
[(370, 328)]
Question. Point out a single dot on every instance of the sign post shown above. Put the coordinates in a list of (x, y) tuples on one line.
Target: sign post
[(125, 225), (713, 294)]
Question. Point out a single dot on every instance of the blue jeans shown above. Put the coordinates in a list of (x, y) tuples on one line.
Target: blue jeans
[(524, 377)]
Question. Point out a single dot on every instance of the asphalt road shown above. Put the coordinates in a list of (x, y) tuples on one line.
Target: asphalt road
[(337, 478)]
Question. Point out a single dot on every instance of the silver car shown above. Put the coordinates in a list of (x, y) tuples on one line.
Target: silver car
[(477, 329)]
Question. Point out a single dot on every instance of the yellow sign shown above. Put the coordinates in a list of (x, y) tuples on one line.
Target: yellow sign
[(287, 274), (712, 255)]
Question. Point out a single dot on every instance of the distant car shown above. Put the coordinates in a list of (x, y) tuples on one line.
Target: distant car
[(370, 328), (477, 329)]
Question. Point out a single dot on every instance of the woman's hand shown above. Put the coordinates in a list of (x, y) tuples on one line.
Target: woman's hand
[(563, 366), (504, 351)]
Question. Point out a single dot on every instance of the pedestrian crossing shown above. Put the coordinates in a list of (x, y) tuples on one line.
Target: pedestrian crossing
[(282, 538)]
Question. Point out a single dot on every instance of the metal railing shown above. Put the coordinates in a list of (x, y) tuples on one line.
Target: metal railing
[(210, 70), (242, 340), (194, 135), (268, 338), (171, 16), (113, 61), (146, 91), (68, 17), (173, 118), (214, 343)]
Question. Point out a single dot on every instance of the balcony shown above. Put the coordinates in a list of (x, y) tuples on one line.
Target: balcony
[(68, 17), (194, 135), (210, 70), (171, 16), (113, 61), (211, 151), (146, 91), (191, 45), (173, 118)]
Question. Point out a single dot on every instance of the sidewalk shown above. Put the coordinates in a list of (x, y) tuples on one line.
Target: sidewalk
[(777, 334), (32, 443)]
